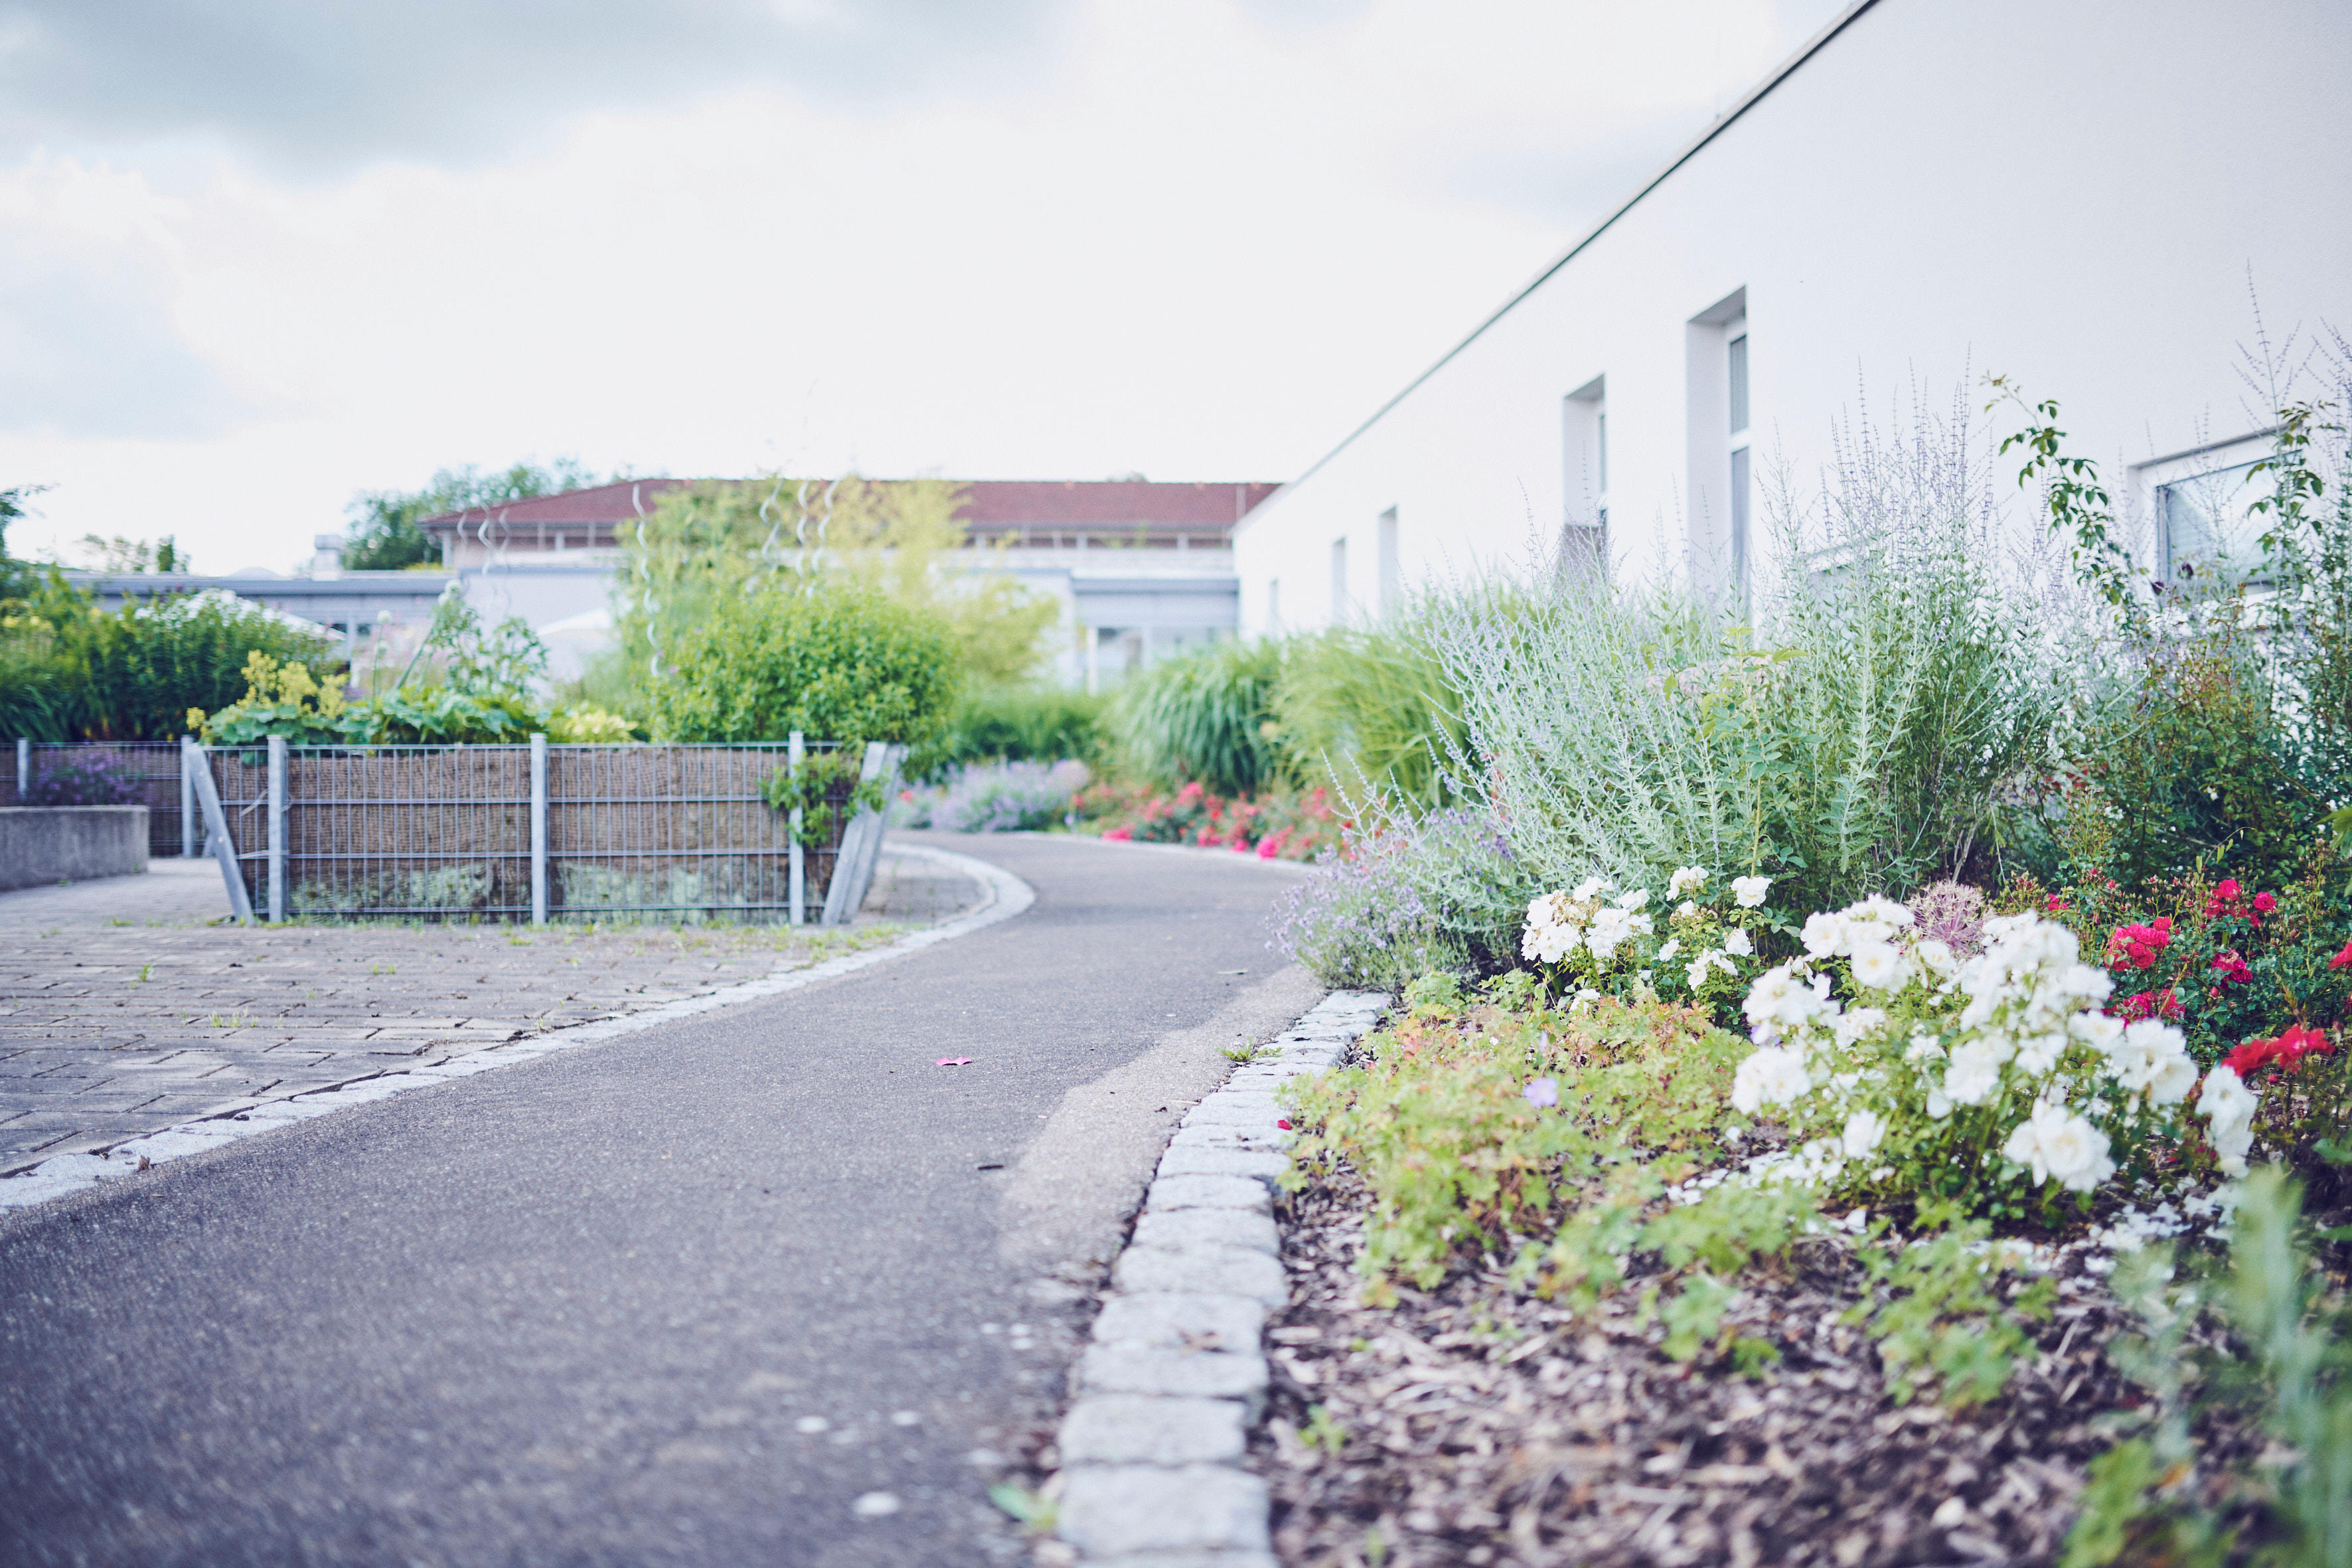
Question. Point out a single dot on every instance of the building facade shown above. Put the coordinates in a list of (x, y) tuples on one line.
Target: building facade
[(2087, 197), (1138, 570)]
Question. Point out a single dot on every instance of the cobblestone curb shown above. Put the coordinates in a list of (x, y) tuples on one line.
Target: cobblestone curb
[(1151, 1473), (1008, 895)]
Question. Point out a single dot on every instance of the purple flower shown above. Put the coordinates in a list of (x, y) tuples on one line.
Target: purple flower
[(1543, 1091)]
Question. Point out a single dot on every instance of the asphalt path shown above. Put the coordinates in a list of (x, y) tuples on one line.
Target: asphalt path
[(685, 1297)]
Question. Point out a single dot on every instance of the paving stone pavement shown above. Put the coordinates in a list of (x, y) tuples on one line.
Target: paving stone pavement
[(124, 1010), (1151, 1451)]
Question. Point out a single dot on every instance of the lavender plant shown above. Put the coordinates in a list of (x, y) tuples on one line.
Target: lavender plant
[(1006, 797), (1856, 736)]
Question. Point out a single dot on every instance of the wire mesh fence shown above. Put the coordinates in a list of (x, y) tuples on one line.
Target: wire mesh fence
[(669, 833), (52, 772)]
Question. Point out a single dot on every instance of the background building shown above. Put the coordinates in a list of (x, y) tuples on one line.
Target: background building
[(2075, 195)]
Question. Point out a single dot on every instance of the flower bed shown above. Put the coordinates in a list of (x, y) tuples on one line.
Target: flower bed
[(1273, 825), (1928, 1265)]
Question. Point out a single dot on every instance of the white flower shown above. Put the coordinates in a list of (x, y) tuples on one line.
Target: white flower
[(2037, 1054), (1973, 1075), (1612, 927), (1939, 1104), (1879, 911), (1769, 1077), (1550, 944), (1923, 1047), (1736, 942), (1584, 999), (2084, 983), (1864, 1132), (2059, 1145), (1880, 966), (1590, 887), (1749, 892), (1696, 972), (1686, 879), (2100, 1031), (2141, 1056), (1859, 1024), (2228, 1106), (1673, 945), (2173, 1080), (1825, 935), (1637, 899), (1936, 956), (1684, 909)]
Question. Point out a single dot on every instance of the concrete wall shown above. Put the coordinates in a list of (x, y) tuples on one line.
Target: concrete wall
[(43, 844), (2075, 195)]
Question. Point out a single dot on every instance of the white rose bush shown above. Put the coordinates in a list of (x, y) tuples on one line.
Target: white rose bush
[(1899, 1067), (1592, 940)]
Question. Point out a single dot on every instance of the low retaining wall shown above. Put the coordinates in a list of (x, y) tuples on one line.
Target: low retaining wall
[(48, 844)]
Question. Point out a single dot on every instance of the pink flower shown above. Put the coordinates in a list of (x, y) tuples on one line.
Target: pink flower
[(1123, 833), (1541, 1093), (2265, 903), (2341, 960)]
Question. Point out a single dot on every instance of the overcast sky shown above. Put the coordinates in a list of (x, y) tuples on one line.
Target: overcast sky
[(256, 255)]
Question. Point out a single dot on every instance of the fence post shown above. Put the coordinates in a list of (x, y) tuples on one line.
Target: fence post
[(24, 767), (187, 803), (277, 828), (195, 767), (538, 830), (797, 895)]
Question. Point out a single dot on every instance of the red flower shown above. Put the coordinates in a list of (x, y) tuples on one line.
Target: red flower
[(1122, 833), (1283, 1123), (2341, 960), (2287, 1050), (2232, 969), (2056, 905), (2265, 903), (2137, 946), (2228, 891)]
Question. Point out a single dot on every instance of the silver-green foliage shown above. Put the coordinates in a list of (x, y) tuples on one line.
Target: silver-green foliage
[(1855, 735)]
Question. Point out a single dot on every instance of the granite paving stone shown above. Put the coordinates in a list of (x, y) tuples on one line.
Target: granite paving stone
[(110, 1029)]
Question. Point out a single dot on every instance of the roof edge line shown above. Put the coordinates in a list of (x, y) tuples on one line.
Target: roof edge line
[(1787, 68)]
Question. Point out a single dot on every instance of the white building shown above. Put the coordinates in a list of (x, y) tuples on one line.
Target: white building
[(2074, 194)]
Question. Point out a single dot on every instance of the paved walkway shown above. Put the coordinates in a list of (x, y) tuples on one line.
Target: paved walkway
[(124, 1008), (761, 1286)]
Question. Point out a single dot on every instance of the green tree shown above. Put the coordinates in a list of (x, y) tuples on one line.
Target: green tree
[(704, 546), (384, 535), (848, 664)]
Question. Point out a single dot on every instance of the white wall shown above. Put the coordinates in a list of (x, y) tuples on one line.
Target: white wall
[(2067, 192)]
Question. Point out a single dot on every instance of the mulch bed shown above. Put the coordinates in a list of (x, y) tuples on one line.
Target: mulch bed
[(1482, 1425)]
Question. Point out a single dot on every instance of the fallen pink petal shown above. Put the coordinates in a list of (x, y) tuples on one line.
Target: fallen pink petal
[(955, 1061)]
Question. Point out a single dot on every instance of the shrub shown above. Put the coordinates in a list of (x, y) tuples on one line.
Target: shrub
[(1006, 797), (1371, 706), (132, 674), (1203, 717), (842, 665), (1901, 1071), (1013, 723)]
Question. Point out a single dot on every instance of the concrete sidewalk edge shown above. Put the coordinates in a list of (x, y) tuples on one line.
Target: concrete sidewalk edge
[(1152, 1448)]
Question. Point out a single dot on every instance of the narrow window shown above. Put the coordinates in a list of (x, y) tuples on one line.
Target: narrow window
[(1339, 581), (1584, 515), (1736, 386), (1391, 563)]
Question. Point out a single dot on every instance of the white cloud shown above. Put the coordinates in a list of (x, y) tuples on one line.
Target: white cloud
[(1203, 244)]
